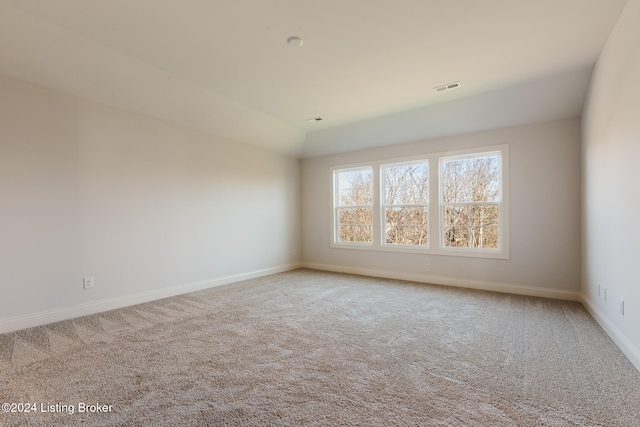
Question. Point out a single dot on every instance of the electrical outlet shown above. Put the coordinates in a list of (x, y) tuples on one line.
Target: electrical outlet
[(622, 307), (426, 261), (88, 282)]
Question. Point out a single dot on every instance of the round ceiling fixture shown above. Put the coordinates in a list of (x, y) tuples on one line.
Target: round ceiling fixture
[(294, 41)]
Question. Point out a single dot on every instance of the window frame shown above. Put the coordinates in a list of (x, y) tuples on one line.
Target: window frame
[(502, 252), (384, 205), (335, 222), (435, 215)]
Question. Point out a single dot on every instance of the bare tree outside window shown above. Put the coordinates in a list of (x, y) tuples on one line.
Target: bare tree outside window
[(406, 203), (354, 205), (453, 203), (471, 201)]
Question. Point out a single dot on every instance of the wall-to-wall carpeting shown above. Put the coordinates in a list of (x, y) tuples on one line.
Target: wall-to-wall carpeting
[(316, 348)]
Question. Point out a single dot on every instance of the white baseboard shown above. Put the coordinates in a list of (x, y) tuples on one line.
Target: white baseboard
[(629, 350), (71, 312), (446, 281)]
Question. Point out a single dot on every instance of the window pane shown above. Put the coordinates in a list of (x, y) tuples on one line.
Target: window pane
[(415, 216), (346, 216), (475, 179), (393, 216), (456, 237), (355, 187), (363, 233), (474, 226), (394, 234), (393, 220), (484, 237), (455, 216), (346, 233), (483, 216), (489, 238), (456, 225), (406, 184), (454, 179), (355, 224), (415, 235), (364, 216)]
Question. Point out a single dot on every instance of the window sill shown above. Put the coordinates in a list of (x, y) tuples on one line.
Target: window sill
[(423, 251)]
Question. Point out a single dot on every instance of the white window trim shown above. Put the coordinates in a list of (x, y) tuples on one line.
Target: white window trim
[(335, 241), (503, 205), (435, 208), (382, 189)]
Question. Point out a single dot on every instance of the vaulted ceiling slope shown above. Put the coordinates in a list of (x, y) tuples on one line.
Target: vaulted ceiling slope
[(367, 67)]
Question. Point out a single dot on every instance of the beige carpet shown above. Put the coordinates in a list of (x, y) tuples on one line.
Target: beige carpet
[(323, 349)]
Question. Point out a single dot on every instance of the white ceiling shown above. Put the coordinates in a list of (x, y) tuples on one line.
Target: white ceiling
[(367, 67)]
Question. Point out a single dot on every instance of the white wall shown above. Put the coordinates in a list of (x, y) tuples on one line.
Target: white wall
[(147, 208), (545, 215), (611, 185)]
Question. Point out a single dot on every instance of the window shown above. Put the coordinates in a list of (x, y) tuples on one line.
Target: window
[(354, 205), (405, 206), (458, 208), (471, 201)]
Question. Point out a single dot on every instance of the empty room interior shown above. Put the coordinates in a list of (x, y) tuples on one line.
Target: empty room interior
[(288, 212)]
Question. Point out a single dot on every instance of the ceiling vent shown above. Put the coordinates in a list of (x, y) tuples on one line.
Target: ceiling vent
[(448, 86)]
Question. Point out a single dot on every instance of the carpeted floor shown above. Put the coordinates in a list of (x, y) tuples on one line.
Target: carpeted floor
[(323, 349)]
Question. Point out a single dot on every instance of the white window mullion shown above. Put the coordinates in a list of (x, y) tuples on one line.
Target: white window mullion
[(377, 238)]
